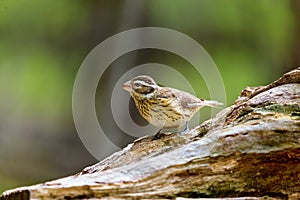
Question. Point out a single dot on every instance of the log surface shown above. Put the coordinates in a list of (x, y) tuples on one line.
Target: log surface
[(250, 150)]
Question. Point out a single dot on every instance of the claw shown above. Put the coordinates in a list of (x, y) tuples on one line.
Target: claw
[(157, 135)]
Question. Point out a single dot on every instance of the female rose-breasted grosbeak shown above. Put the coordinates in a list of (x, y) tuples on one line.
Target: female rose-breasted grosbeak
[(164, 107)]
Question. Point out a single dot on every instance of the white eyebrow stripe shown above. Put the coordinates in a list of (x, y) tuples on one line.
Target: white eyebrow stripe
[(142, 82)]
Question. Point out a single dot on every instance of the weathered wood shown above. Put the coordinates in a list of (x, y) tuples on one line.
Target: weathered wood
[(249, 149)]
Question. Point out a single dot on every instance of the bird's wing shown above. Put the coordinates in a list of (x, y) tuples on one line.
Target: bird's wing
[(185, 99), (168, 99)]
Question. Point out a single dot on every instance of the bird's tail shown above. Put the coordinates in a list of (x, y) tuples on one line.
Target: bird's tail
[(213, 103)]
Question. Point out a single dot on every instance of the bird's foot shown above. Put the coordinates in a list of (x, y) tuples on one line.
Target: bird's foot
[(185, 131), (157, 135)]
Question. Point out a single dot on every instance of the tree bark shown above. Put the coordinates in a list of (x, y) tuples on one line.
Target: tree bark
[(249, 150)]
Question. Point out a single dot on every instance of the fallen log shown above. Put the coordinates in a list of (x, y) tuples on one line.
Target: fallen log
[(249, 150)]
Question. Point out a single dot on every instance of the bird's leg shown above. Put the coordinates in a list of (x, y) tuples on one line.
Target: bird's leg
[(157, 135), (186, 129)]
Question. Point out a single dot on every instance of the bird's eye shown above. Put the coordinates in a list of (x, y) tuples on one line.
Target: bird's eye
[(143, 86), (137, 84), (144, 89)]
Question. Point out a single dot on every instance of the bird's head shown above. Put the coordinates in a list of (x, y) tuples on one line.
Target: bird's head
[(141, 85)]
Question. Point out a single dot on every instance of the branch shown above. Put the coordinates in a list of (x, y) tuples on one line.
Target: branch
[(249, 149)]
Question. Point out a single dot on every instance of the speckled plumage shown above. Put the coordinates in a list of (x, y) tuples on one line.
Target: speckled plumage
[(164, 107)]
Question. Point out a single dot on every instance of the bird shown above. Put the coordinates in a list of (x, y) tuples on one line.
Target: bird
[(164, 107)]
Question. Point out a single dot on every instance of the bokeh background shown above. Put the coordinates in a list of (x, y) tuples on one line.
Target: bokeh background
[(43, 43)]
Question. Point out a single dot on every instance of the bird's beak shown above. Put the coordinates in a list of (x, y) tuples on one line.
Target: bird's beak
[(127, 86)]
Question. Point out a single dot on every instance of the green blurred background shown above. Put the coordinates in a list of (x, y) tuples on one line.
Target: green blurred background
[(43, 43)]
